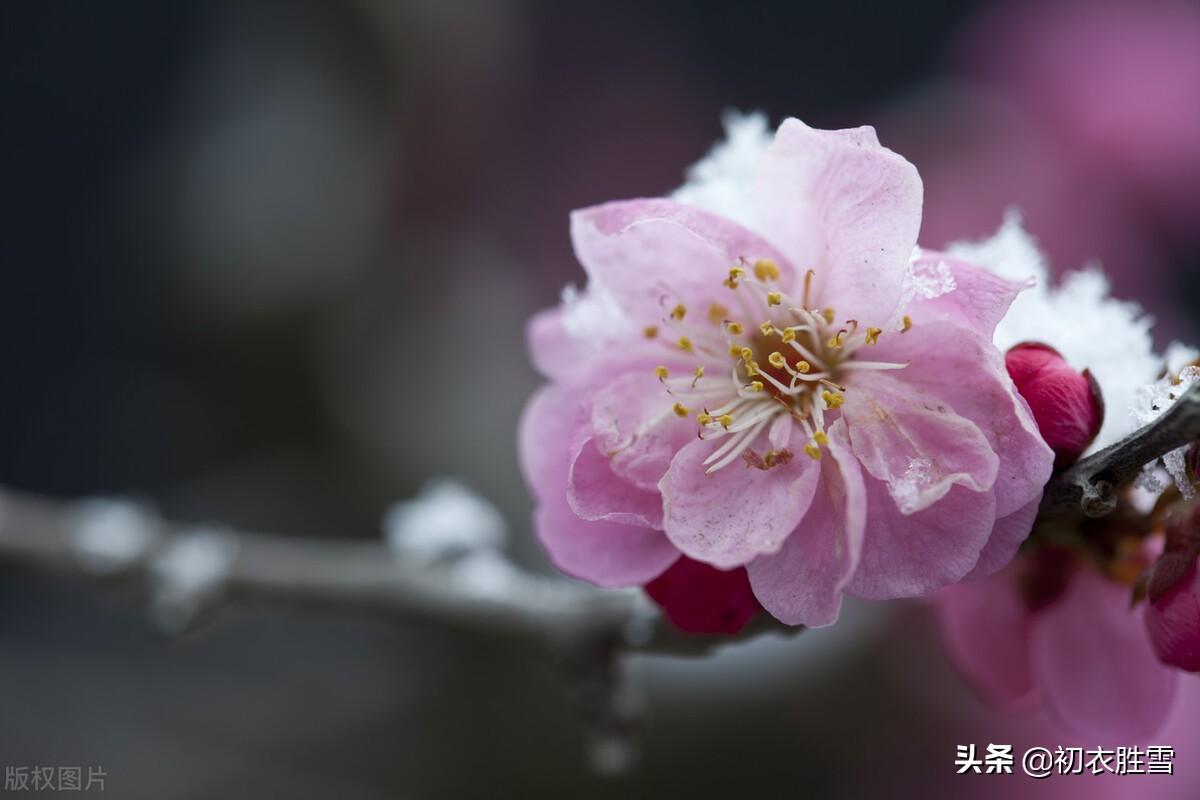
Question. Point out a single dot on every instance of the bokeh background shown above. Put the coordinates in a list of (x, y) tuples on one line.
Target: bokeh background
[(268, 264)]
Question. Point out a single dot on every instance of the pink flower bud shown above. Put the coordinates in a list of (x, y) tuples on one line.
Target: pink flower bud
[(699, 598), (1066, 403), (1173, 622)]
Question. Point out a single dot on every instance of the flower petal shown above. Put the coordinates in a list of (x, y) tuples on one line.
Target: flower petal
[(907, 555), (1009, 532), (967, 373), (985, 625), (1097, 670), (802, 583), (839, 203), (595, 492), (605, 553), (636, 427), (649, 255), (728, 517), (914, 441), (978, 301)]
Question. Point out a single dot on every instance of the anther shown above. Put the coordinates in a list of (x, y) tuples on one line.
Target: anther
[(678, 312), (873, 335), (734, 328), (717, 313), (774, 298), (704, 418), (812, 451), (661, 372), (803, 366), (789, 335), (767, 327), (777, 360), (747, 354), (650, 331), (681, 410), (828, 314), (755, 386), (766, 269), (907, 324), (726, 420), (820, 438), (685, 344)]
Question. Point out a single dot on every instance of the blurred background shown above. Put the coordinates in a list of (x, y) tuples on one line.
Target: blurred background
[(268, 264)]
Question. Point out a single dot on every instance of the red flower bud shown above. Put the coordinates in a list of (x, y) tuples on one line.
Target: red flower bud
[(1173, 622), (699, 598), (1066, 403)]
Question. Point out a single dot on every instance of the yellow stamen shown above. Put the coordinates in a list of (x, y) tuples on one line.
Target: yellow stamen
[(808, 278), (678, 312), (747, 354), (873, 335), (717, 313), (735, 350), (661, 372), (734, 274), (820, 438), (828, 314), (789, 335), (837, 340), (767, 327), (832, 400), (777, 360), (812, 451), (752, 369), (685, 344), (774, 298), (907, 324), (704, 418), (650, 331), (766, 269), (755, 386), (681, 410), (726, 420), (699, 372), (803, 366), (734, 328)]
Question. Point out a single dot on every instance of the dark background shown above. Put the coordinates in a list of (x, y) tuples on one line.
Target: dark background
[(268, 264)]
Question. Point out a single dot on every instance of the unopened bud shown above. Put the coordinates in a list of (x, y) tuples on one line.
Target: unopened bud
[(1066, 403)]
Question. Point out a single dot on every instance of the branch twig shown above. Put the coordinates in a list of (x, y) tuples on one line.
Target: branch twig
[(190, 571), (1091, 483)]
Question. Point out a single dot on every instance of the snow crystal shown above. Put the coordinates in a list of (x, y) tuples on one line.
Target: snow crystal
[(1078, 318), (446, 519), (1153, 400), (110, 535), (906, 490), (593, 316), (723, 181)]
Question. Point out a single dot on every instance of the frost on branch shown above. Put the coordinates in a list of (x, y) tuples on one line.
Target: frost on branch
[(1153, 400)]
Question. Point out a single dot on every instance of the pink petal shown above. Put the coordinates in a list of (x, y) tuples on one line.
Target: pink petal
[(605, 553), (837, 202), (979, 300), (651, 254), (635, 426), (1173, 621), (595, 492), (907, 555), (738, 512), (985, 625), (914, 441), (802, 583), (701, 599), (1097, 671), (1007, 536), (967, 373)]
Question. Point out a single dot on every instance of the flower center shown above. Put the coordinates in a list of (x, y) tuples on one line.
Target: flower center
[(769, 358)]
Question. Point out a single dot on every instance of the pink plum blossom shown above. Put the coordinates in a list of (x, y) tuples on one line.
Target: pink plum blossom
[(1065, 402), (813, 399), (1051, 631)]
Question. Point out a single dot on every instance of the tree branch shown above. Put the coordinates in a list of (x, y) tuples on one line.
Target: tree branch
[(1091, 483), (188, 572)]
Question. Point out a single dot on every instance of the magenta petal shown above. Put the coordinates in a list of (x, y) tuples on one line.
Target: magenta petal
[(914, 441), (736, 513), (699, 598), (1173, 622), (650, 254), (839, 203), (1097, 671), (907, 555), (802, 583), (985, 625), (636, 427), (967, 373), (604, 553), (595, 492), (1007, 535), (978, 301)]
